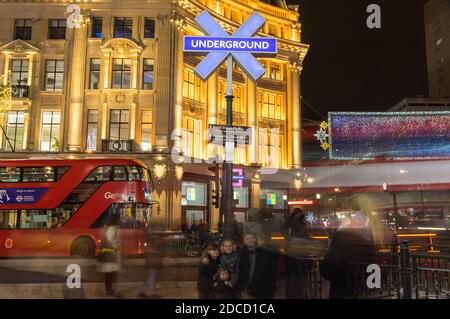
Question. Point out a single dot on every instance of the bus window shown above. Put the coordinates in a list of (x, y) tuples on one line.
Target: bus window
[(120, 173), (100, 174), (38, 174), (133, 173), (146, 175), (143, 213), (8, 219), (9, 174), (34, 218), (61, 171)]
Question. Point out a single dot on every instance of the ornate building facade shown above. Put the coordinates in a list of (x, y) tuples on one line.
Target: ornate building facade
[(118, 85)]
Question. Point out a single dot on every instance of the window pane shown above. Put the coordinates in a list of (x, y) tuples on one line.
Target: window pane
[(61, 171), (120, 173), (100, 174), (8, 219), (9, 174), (133, 173), (34, 219), (38, 174)]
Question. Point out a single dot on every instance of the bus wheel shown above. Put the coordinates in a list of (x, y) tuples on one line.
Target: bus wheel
[(83, 247)]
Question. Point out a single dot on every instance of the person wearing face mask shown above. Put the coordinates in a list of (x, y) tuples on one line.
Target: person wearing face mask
[(257, 270)]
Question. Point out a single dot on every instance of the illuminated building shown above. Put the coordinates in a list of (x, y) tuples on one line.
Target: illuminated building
[(437, 37), (120, 85)]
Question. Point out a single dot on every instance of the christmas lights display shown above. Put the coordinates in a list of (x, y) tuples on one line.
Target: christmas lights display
[(389, 135), (322, 135)]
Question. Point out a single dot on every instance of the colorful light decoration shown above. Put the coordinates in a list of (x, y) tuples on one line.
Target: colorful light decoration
[(323, 136), (365, 136)]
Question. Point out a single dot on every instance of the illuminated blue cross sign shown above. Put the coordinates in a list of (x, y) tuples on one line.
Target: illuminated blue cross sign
[(218, 45)]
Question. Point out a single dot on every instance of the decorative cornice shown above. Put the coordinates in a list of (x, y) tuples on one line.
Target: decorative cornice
[(19, 47)]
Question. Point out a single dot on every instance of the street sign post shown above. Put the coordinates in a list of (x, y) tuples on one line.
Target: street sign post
[(239, 47), (220, 134)]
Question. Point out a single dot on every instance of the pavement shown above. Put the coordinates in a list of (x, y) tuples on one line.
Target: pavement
[(45, 278)]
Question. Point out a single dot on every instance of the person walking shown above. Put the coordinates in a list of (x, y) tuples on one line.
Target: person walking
[(257, 270), (352, 244), (110, 253)]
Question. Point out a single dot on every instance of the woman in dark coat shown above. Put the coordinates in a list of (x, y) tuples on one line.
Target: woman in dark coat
[(351, 247), (257, 269)]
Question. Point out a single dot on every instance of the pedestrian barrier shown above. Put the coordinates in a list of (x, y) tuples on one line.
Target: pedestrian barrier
[(403, 275)]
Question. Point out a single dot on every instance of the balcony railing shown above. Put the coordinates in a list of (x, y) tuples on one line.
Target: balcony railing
[(123, 146), (20, 91)]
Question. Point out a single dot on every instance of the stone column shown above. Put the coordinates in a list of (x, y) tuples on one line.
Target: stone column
[(178, 98), (295, 118), (74, 138), (252, 121), (212, 110)]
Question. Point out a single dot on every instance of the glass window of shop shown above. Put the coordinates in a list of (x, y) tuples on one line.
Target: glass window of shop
[(193, 194), (273, 198), (241, 195)]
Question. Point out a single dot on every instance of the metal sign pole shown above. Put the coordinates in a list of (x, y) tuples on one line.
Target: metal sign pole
[(229, 155)]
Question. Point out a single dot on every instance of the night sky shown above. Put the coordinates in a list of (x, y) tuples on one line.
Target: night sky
[(350, 67)]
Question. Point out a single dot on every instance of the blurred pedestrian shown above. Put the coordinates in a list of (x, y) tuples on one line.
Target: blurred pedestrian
[(222, 287), (194, 226), (295, 224), (110, 253), (352, 244), (155, 253), (257, 269), (207, 272)]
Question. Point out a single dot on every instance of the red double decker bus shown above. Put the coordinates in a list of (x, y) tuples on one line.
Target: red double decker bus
[(59, 207)]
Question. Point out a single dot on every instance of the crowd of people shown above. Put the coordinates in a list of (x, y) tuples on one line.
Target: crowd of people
[(237, 270)]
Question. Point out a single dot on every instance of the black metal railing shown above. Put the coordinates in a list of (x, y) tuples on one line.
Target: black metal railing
[(403, 276), (123, 146)]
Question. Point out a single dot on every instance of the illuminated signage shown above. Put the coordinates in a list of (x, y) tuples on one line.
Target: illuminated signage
[(218, 45), (300, 202), (271, 199), (209, 44), (238, 176), (190, 194)]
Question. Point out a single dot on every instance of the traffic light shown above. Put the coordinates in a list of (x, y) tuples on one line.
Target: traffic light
[(215, 198)]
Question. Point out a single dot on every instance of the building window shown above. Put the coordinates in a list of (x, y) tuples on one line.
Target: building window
[(193, 87), (14, 131), (234, 16), (94, 78), (56, 29), (265, 65), (119, 125), (270, 147), (123, 28), (149, 28), (275, 71), (121, 73), (273, 30), (148, 75), (19, 78), (146, 131), (238, 106), (54, 75), (22, 29), (191, 137), (92, 129), (97, 27), (271, 105), (50, 131)]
